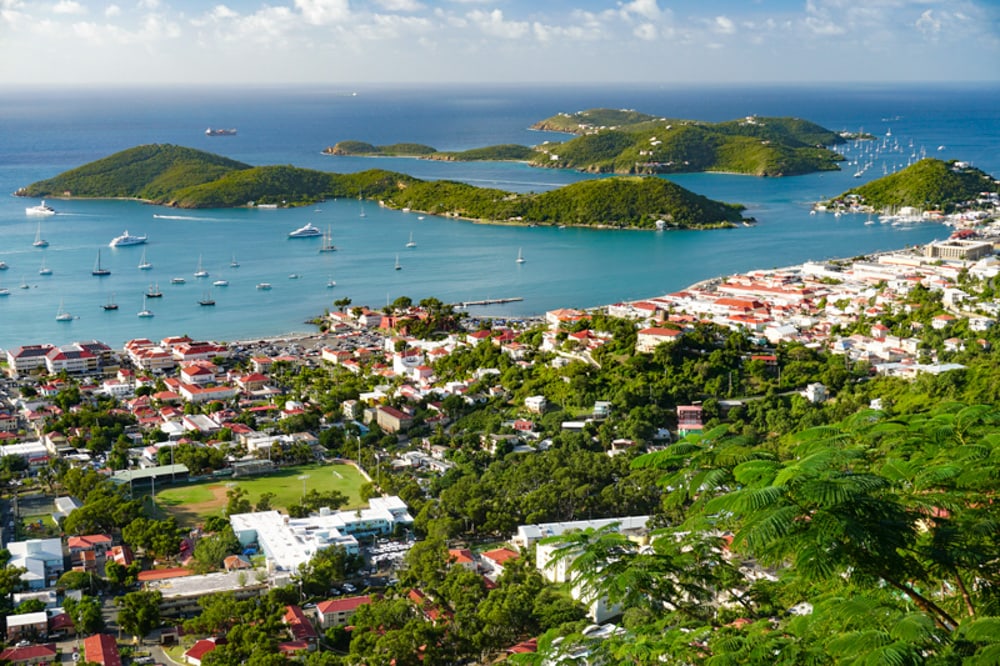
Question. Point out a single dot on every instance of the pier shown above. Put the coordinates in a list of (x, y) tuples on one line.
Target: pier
[(488, 301)]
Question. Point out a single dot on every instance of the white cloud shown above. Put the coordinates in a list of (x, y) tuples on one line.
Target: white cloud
[(928, 24), (724, 25), (400, 5), (323, 12), (68, 7), (493, 23), (149, 4), (223, 12), (112, 11), (646, 8), (646, 32)]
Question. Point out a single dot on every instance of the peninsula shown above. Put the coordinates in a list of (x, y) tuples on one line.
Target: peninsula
[(629, 142), (188, 178), (929, 184)]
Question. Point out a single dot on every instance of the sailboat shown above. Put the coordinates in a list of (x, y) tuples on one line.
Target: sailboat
[(361, 204), (411, 242), (201, 272), (4, 291), (520, 257), (154, 291), (331, 283), (145, 312), (328, 245), (144, 265), (234, 263), (39, 241), (111, 305), (62, 315), (24, 283), (207, 300), (398, 267), (99, 270), (44, 270)]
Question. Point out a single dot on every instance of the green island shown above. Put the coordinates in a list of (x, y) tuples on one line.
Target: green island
[(188, 178), (927, 184), (629, 142)]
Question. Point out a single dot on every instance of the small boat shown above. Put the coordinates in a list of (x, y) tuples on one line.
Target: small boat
[(411, 242), (398, 267), (4, 291), (154, 291), (99, 270), (39, 241), (231, 131), (145, 312), (520, 257), (127, 239), (264, 286), (44, 270), (177, 280), (144, 264), (62, 315), (110, 305), (328, 245), (308, 230), (234, 263), (41, 209), (221, 283), (3, 266), (24, 284), (201, 272), (331, 283), (207, 300), (420, 217), (294, 276)]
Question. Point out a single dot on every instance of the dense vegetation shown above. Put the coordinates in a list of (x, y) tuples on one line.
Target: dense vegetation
[(763, 147), (504, 152), (366, 149), (628, 142), (928, 184), (629, 202), (150, 172)]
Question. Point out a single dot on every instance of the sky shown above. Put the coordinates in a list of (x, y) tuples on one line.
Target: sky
[(150, 42)]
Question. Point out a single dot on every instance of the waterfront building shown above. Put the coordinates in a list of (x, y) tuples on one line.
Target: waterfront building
[(954, 248)]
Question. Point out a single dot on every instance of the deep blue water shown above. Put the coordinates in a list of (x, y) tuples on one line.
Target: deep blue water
[(45, 131)]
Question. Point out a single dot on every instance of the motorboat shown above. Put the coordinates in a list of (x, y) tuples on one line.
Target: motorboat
[(221, 283), (177, 280), (308, 230), (41, 209), (127, 239), (263, 286)]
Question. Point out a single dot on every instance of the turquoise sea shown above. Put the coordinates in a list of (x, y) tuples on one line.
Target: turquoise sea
[(46, 131)]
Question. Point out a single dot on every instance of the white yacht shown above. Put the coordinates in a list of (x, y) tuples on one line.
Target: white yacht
[(263, 286), (127, 239), (201, 272), (62, 315), (221, 283), (40, 209), (307, 231), (144, 312)]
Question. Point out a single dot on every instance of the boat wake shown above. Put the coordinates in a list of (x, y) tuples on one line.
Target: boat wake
[(183, 217)]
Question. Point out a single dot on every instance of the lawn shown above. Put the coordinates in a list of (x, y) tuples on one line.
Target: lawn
[(192, 503)]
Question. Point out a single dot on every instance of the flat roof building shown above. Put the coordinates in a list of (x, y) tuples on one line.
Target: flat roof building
[(289, 542)]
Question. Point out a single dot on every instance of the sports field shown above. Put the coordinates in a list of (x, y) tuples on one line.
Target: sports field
[(192, 503)]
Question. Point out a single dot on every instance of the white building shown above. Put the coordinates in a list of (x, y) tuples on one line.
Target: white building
[(289, 542)]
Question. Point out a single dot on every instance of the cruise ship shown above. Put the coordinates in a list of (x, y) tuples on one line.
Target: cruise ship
[(220, 132), (127, 239), (308, 231), (40, 209)]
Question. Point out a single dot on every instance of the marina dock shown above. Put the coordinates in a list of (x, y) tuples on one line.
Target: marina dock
[(488, 301)]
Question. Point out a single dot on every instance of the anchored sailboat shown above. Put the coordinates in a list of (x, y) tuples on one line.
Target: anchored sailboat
[(99, 270)]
